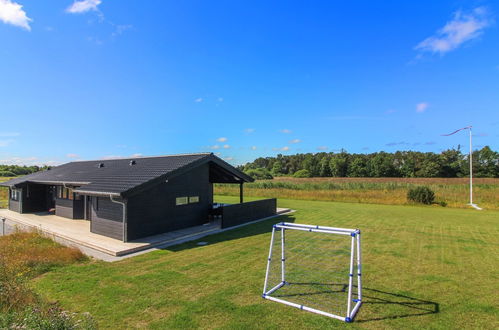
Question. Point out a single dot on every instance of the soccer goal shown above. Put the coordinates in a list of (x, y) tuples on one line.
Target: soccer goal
[(314, 268)]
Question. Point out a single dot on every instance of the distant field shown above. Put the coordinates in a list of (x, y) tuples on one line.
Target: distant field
[(454, 191)]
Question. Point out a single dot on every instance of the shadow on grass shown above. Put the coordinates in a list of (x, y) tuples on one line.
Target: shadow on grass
[(406, 306), (377, 302), (254, 229)]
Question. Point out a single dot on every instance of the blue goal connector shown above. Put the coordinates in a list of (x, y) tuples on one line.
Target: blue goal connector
[(351, 275), (264, 295), (353, 234), (356, 300), (348, 320)]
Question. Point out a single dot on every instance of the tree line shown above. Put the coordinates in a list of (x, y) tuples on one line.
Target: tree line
[(451, 163), (16, 170)]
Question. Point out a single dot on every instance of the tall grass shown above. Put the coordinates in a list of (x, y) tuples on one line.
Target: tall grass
[(454, 192), (24, 256)]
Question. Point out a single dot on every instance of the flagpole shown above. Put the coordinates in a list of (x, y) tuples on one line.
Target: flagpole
[(471, 170), (471, 164)]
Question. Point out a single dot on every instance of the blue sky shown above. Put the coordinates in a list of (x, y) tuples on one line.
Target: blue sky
[(107, 78)]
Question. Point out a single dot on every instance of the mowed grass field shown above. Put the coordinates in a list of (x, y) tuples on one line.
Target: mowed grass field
[(453, 191), (424, 267)]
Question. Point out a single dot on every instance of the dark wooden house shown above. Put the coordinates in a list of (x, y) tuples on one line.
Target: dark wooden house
[(128, 199)]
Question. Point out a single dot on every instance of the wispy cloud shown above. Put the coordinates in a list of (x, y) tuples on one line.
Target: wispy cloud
[(220, 99), (83, 6), (138, 154), (20, 161), (401, 143), (462, 28), (294, 141), (249, 130), (198, 100), (390, 111), (253, 148), (120, 28), (286, 148), (73, 156), (226, 146), (430, 143), (286, 131), (6, 143), (222, 139), (322, 148), (229, 158), (13, 13), (9, 134), (421, 107), (214, 147)]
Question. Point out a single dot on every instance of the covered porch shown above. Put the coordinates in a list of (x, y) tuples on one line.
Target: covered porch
[(77, 233)]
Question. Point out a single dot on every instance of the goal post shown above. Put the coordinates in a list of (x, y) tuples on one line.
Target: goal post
[(315, 268)]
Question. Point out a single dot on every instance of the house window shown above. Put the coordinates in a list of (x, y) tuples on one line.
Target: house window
[(181, 201), (64, 193), (193, 199), (14, 194)]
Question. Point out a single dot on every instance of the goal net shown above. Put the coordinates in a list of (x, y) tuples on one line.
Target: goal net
[(315, 268)]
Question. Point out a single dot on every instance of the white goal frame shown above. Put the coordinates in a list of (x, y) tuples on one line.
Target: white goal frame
[(355, 250)]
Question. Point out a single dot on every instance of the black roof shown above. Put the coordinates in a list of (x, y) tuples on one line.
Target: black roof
[(121, 176)]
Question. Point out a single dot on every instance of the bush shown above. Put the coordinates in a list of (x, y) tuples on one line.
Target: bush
[(302, 174), (7, 173), (422, 194), (259, 174)]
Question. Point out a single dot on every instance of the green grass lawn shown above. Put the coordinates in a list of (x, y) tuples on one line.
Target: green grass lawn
[(424, 267)]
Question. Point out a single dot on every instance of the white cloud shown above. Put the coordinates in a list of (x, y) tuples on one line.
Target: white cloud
[(198, 100), (5, 143), (462, 28), (253, 147), (222, 139), (220, 99), (229, 158), (136, 155), (83, 6), (294, 141), (9, 134), (73, 156), (252, 130), (285, 131), (226, 146), (421, 107), (23, 161), (286, 148), (13, 13), (322, 148), (215, 147), (119, 29)]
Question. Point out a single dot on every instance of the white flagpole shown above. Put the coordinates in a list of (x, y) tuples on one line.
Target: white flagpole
[(471, 164), (471, 170)]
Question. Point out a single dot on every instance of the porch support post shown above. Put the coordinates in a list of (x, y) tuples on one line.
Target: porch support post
[(241, 192)]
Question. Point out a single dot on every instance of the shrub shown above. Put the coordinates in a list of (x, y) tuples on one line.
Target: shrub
[(302, 174), (259, 174), (7, 173), (422, 194)]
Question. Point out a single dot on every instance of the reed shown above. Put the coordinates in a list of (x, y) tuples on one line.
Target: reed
[(454, 191)]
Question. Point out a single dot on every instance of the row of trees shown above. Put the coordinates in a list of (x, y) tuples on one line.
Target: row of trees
[(16, 170), (450, 163)]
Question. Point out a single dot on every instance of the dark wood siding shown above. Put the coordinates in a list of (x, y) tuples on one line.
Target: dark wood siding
[(154, 211), (14, 205), (67, 208), (237, 214), (106, 217)]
